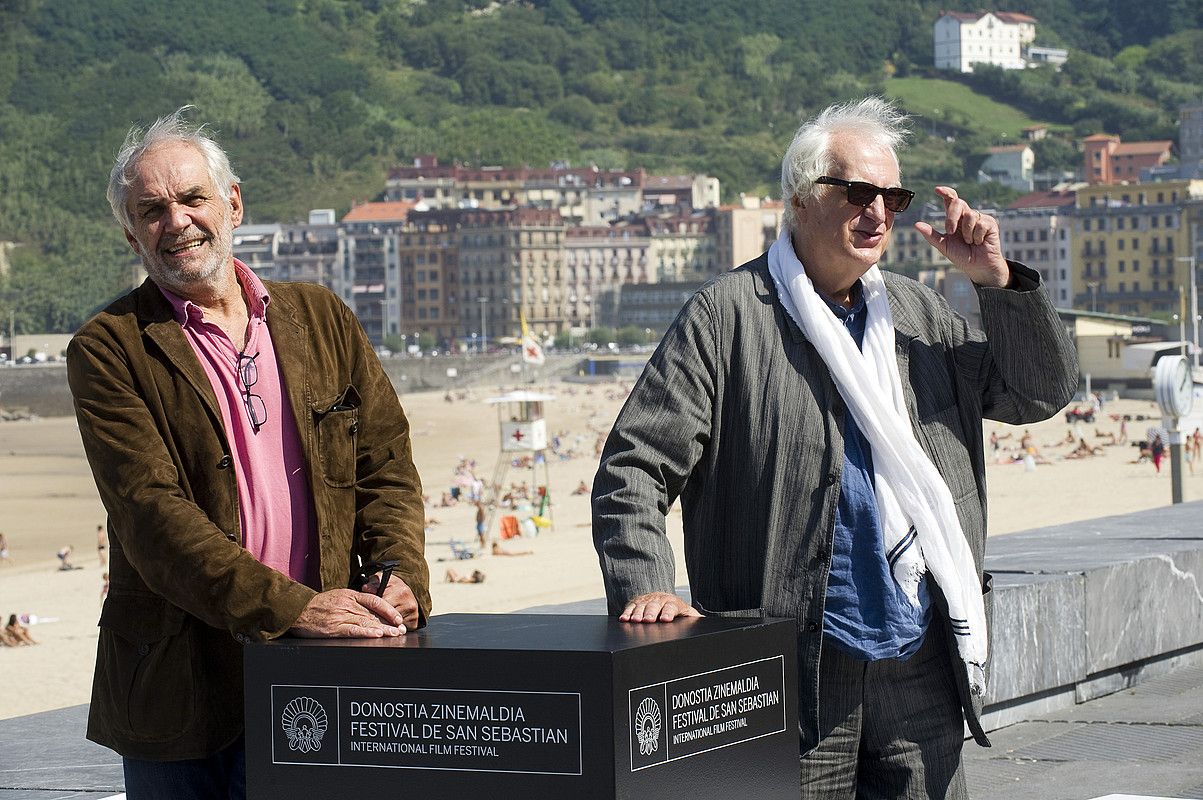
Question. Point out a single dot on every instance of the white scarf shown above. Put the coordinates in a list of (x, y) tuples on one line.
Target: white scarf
[(914, 502)]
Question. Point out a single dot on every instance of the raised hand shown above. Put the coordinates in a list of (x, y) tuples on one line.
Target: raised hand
[(970, 241)]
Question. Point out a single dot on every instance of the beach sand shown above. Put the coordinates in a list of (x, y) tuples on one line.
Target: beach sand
[(49, 500)]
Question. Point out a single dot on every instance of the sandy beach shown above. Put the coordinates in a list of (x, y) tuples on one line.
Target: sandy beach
[(49, 501)]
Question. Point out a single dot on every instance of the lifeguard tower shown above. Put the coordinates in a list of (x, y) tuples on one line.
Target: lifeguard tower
[(523, 432)]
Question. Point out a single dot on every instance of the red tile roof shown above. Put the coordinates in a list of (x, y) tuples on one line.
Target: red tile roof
[(389, 211), (1152, 148), (1014, 17)]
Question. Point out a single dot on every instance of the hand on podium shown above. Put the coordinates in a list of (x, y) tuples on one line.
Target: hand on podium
[(657, 607), (346, 613), (398, 595)]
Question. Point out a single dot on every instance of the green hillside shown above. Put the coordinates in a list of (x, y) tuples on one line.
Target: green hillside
[(316, 99), (956, 105)]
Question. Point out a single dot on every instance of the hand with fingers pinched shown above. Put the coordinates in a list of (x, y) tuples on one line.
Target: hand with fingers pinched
[(970, 241)]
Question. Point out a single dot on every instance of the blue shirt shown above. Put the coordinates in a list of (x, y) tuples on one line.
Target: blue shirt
[(866, 614)]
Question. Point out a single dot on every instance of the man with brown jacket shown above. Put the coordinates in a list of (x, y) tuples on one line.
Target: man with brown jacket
[(251, 454)]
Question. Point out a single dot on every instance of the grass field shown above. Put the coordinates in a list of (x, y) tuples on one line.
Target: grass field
[(955, 104)]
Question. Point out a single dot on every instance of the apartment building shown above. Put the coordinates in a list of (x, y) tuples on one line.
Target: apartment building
[(583, 195), (371, 232), (597, 261), (1131, 242), (1037, 230), (428, 257), (314, 252), (744, 231), (1108, 159), (680, 191), (682, 247), (511, 261)]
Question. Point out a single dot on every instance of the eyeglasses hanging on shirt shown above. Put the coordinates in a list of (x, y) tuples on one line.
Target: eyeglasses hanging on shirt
[(248, 373)]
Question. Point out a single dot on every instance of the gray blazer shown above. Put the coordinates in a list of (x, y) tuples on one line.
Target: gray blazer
[(738, 416)]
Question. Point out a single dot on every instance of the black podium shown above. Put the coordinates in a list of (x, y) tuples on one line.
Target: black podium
[(528, 706)]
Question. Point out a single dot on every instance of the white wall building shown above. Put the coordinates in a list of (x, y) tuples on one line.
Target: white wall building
[(988, 37), (1012, 165)]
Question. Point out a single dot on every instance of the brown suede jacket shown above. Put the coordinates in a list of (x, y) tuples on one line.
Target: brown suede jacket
[(185, 596)]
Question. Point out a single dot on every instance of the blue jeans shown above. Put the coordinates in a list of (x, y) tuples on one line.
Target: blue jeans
[(221, 776)]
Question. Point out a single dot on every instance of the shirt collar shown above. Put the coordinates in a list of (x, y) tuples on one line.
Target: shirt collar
[(841, 312), (252, 288)]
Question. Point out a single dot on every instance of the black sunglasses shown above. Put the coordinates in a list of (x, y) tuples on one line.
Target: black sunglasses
[(863, 194), (248, 373)]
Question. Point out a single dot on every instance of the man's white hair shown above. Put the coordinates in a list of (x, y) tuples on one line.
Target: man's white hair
[(809, 155), (171, 128)]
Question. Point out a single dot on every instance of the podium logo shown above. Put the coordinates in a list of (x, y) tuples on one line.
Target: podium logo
[(647, 726), (304, 722)]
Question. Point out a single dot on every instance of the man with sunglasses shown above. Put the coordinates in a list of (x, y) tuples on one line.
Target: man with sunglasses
[(821, 421), (252, 456)]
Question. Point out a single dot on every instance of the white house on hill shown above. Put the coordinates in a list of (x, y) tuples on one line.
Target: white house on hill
[(1012, 165), (963, 39)]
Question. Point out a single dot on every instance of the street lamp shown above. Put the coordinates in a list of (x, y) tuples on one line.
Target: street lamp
[(1194, 305), (484, 334)]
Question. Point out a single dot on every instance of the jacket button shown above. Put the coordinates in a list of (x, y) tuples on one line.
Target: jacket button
[(831, 479), (231, 537), (812, 627), (354, 429), (143, 649), (225, 462)]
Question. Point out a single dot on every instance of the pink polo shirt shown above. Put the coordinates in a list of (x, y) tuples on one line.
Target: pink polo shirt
[(274, 501)]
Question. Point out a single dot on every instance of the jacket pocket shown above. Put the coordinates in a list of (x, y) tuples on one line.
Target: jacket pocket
[(336, 422), (945, 446), (146, 678)]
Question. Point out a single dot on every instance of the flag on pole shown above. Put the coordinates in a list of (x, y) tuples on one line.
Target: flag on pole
[(532, 351)]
